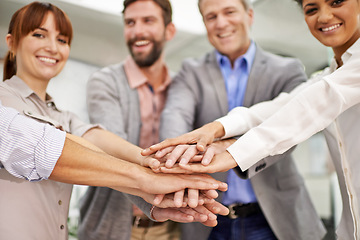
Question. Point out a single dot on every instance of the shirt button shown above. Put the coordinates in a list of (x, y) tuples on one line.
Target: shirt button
[(62, 227), (60, 202)]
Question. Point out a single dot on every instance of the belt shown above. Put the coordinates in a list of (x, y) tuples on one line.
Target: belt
[(144, 222), (243, 210)]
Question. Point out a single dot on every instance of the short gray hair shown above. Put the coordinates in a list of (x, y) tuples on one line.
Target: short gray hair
[(247, 4)]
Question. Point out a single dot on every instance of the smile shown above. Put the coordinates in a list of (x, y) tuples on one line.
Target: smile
[(141, 43), (224, 35), (328, 29), (48, 60)]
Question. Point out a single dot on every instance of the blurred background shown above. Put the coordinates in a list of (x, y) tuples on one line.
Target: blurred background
[(98, 41)]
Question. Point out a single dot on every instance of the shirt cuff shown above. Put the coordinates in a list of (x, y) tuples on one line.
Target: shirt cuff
[(48, 151)]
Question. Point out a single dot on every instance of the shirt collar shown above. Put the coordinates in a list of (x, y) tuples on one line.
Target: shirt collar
[(136, 78), (25, 91), (346, 55), (249, 56)]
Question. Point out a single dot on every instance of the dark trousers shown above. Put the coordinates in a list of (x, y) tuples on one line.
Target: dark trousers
[(254, 227)]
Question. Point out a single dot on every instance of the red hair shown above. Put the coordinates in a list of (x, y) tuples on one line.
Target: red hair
[(26, 20)]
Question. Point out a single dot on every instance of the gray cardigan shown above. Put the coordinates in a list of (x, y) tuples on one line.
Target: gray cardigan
[(106, 213)]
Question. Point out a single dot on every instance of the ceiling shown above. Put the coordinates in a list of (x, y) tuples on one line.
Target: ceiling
[(279, 27)]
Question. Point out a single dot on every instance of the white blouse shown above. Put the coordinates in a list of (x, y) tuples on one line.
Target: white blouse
[(329, 102)]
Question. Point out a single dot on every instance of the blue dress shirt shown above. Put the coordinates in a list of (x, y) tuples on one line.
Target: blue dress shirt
[(236, 78)]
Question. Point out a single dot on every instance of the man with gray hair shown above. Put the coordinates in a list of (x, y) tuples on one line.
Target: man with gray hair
[(239, 73)]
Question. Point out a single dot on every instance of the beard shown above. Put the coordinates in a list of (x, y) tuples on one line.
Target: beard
[(143, 59)]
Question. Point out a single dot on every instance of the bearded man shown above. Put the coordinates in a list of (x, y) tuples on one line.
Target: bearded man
[(127, 98)]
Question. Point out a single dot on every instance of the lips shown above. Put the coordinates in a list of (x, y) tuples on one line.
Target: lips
[(48, 60), (330, 28), (224, 35), (141, 43)]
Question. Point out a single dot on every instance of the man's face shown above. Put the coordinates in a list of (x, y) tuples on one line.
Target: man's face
[(228, 26), (144, 32)]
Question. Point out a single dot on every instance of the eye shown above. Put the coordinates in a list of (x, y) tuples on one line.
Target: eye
[(229, 12), (149, 20), (337, 2), (210, 17), (38, 35), (129, 22), (63, 40), (310, 11)]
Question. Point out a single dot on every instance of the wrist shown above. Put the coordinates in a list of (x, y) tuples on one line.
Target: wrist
[(219, 130)]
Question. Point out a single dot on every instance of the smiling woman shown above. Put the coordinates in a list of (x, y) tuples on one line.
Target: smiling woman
[(38, 40)]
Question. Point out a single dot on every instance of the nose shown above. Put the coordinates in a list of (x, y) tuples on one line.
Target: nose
[(52, 46), (325, 14), (138, 29), (221, 21)]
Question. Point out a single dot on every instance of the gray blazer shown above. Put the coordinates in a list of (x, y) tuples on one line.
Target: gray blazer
[(198, 96), (106, 213)]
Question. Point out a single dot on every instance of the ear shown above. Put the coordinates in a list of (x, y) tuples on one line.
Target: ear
[(251, 16), (170, 31), (9, 42)]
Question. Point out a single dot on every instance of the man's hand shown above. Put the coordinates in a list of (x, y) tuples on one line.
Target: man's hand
[(202, 137)]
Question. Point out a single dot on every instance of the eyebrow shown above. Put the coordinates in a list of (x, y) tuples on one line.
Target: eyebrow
[(43, 29), (312, 4)]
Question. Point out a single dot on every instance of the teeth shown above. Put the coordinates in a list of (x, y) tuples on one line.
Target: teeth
[(48, 60), (330, 28), (142, 43), (225, 35)]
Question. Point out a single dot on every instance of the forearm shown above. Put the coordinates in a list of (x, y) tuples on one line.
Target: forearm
[(306, 114), (114, 145), (80, 165)]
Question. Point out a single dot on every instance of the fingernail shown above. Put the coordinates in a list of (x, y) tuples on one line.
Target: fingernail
[(182, 161), (212, 217), (156, 200)]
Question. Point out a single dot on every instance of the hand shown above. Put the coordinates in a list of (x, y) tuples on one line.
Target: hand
[(220, 163), (160, 183), (204, 214), (190, 198), (202, 137), (189, 153), (180, 153), (151, 162)]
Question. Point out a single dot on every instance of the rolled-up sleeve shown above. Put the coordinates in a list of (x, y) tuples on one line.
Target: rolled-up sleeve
[(28, 149)]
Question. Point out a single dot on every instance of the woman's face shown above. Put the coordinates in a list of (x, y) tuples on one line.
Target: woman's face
[(335, 23), (42, 53)]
